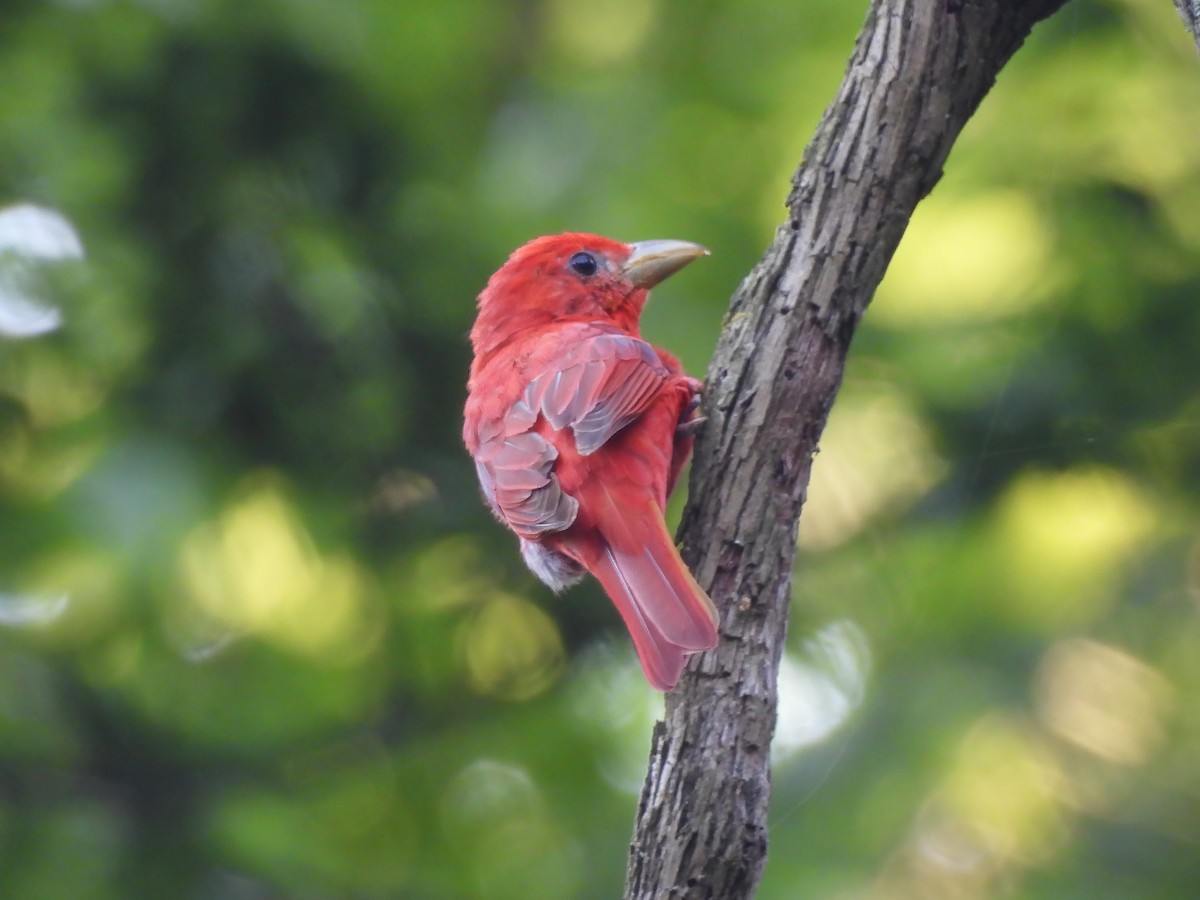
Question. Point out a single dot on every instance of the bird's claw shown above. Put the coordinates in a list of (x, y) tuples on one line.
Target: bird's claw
[(691, 426)]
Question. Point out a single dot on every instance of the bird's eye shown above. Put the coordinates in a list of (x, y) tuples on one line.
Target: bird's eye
[(583, 263)]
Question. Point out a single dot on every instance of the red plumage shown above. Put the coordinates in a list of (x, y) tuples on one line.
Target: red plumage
[(574, 424)]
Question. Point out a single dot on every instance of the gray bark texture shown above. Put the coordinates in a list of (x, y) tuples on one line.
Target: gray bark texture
[(1190, 10), (919, 70)]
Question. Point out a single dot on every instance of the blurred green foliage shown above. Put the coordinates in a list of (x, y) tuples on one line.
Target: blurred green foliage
[(259, 637)]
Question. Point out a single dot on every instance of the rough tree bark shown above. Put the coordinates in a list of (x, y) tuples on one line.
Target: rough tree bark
[(917, 74)]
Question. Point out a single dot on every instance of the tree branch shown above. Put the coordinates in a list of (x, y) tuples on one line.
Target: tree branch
[(918, 72), (1190, 10)]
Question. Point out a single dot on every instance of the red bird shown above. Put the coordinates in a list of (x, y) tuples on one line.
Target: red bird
[(579, 429)]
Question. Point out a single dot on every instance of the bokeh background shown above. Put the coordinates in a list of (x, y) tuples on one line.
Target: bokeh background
[(259, 637)]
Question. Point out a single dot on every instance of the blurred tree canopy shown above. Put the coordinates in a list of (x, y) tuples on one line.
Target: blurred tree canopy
[(258, 636)]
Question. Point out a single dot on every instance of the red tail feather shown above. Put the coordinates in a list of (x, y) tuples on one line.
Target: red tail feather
[(666, 611)]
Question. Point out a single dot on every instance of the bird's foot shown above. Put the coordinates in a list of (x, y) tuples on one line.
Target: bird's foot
[(696, 393)]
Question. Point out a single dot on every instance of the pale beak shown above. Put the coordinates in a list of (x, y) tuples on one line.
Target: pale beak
[(652, 261)]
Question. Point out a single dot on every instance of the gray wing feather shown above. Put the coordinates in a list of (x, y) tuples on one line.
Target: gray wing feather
[(606, 385), (518, 483)]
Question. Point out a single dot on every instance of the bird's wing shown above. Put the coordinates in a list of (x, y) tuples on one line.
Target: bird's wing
[(601, 386), (595, 388), (590, 392)]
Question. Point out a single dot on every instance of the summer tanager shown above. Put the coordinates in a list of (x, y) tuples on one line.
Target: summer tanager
[(579, 429)]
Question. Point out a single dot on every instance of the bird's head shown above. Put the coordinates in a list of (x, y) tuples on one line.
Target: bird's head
[(576, 276)]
